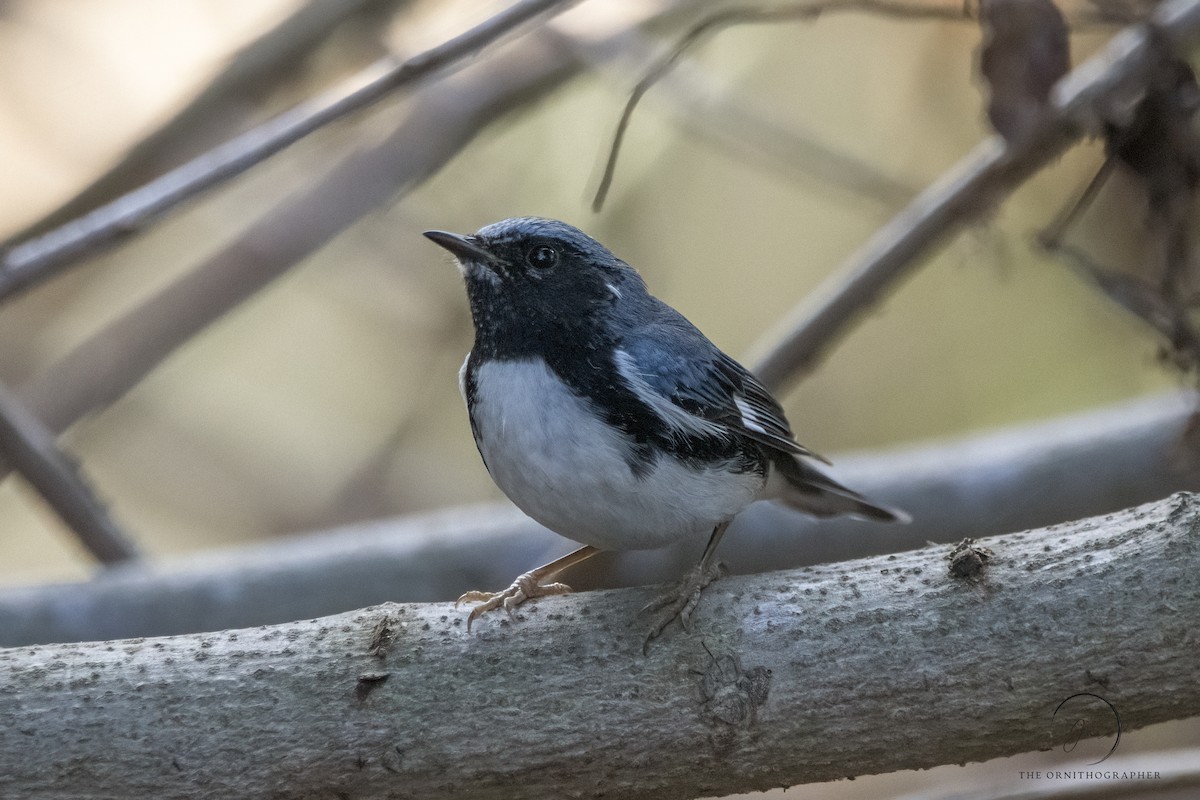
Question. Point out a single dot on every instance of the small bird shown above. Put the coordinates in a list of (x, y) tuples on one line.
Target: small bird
[(605, 415)]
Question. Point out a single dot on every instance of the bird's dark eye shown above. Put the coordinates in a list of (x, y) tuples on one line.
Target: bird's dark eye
[(542, 257)]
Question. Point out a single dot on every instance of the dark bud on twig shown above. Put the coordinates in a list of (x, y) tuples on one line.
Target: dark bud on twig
[(1025, 52)]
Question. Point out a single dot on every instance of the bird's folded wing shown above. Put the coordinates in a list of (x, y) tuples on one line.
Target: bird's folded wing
[(698, 390)]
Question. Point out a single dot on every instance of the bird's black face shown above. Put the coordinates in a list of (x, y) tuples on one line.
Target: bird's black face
[(530, 279)]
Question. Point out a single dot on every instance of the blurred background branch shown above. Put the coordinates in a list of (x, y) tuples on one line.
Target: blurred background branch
[(31, 449), (971, 190), (438, 121), (235, 99), (25, 263)]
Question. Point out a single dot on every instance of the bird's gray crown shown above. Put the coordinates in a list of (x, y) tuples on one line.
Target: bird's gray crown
[(521, 229)]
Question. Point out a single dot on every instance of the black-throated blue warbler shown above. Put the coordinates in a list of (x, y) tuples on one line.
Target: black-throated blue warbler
[(609, 418)]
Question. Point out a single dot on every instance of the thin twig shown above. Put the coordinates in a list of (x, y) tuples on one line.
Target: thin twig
[(747, 16), (1165, 314), (29, 262), (755, 135), (30, 448), (1052, 234), (968, 191)]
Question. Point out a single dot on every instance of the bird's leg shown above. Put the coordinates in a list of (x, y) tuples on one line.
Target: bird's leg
[(526, 586), (681, 600)]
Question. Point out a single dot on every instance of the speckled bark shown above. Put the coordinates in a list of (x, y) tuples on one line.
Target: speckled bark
[(818, 673)]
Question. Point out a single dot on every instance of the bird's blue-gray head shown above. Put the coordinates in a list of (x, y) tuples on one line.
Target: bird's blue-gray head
[(529, 277)]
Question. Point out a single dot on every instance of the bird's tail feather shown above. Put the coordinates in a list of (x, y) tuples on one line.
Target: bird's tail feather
[(807, 489)]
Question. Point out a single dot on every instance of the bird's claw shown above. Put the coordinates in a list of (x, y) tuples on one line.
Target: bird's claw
[(680, 600), (525, 587)]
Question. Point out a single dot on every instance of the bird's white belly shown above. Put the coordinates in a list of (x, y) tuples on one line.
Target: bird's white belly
[(563, 466)]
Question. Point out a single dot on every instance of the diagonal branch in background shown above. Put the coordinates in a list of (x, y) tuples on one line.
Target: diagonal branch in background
[(1025, 476), (864, 667), (743, 16), (29, 448), (26, 263), (248, 79), (968, 191), (440, 120)]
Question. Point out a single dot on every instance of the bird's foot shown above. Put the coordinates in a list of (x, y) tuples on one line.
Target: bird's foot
[(681, 599), (525, 587)]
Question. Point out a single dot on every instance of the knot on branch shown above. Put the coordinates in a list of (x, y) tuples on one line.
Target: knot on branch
[(732, 695)]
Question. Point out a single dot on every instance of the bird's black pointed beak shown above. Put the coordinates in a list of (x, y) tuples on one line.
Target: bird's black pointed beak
[(465, 248)]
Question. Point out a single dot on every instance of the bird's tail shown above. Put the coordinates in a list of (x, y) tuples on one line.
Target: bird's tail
[(805, 488)]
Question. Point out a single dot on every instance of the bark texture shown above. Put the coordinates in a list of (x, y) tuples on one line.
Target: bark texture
[(789, 677)]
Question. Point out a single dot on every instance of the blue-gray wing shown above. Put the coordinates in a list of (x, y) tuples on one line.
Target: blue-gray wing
[(696, 389)]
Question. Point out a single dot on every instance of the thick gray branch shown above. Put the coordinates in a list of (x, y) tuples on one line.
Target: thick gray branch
[(814, 674), (1022, 477)]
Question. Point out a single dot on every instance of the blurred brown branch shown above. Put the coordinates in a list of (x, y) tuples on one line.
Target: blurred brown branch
[(29, 448), (970, 190), (1020, 477), (26, 263), (863, 667)]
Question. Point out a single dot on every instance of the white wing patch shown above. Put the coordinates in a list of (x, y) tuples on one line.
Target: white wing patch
[(676, 418), (462, 377), (750, 417)]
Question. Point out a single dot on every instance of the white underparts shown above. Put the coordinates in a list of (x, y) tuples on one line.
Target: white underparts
[(569, 470)]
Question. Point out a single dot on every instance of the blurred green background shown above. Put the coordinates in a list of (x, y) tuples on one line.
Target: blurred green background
[(331, 396)]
